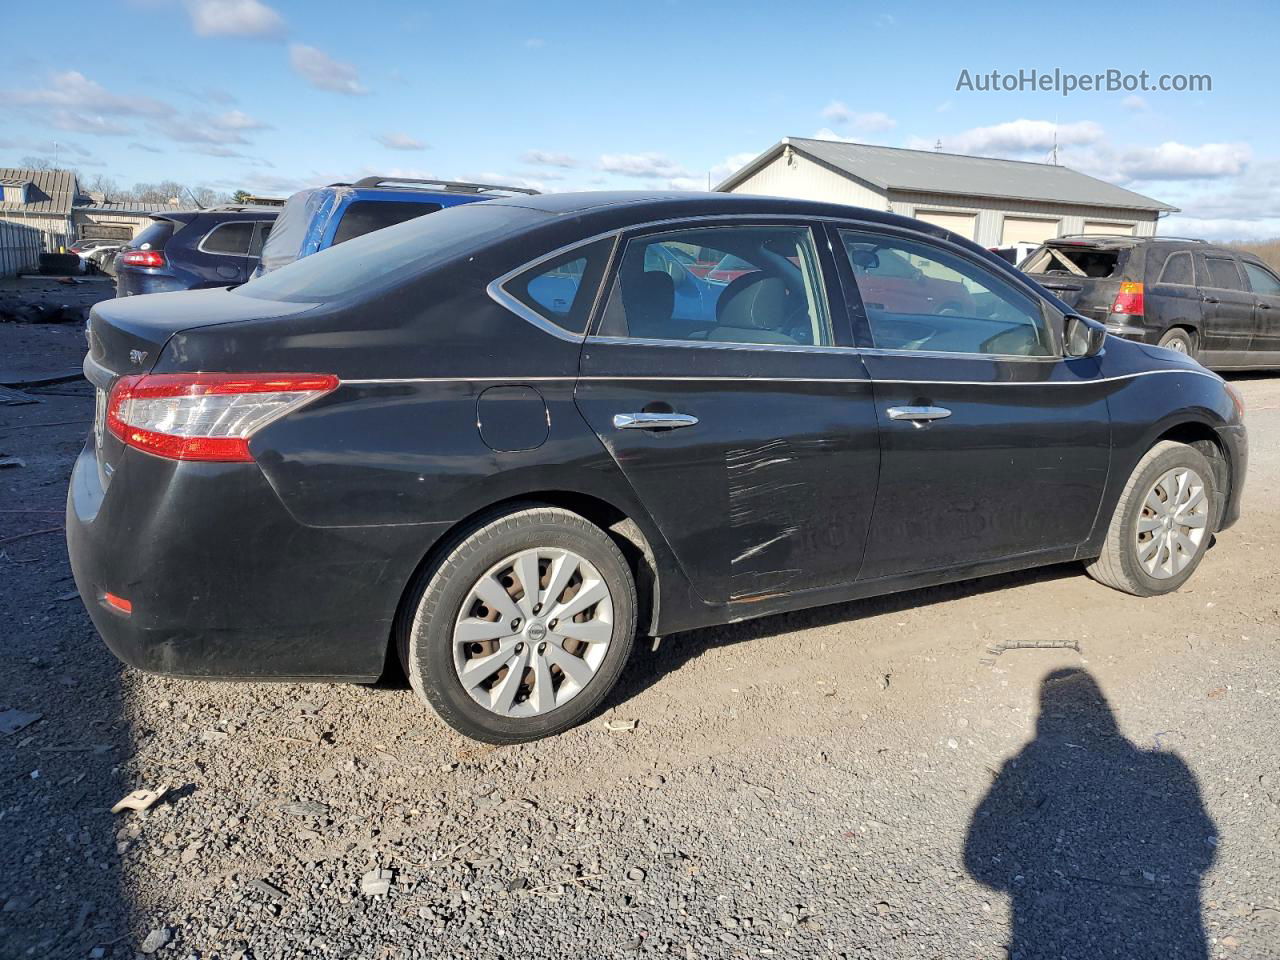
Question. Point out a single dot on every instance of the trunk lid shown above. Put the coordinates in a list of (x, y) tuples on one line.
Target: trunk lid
[(127, 335)]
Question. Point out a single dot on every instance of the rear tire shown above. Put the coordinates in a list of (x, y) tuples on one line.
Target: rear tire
[(1181, 340), (492, 658), (1146, 554)]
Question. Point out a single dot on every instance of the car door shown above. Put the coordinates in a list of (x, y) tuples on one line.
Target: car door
[(992, 445), (752, 442), (222, 256), (1227, 321), (1264, 348)]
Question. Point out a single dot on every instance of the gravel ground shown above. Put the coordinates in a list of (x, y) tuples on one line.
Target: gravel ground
[(1024, 766)]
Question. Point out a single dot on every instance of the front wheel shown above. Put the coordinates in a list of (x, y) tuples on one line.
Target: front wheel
[(1162, 524), (523, 628)]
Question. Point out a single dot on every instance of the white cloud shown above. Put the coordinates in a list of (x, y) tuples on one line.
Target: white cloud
[(72, 90), (400, 141), (145, 147), (1179, 161), (1134, 102), (238, 120), (235, 18), (546, 158), (1221, 230), (534, 43), (641, 165), (837, 111), (1016, 136), (323, 72), (97, 124), (826, 133), (198, 128)]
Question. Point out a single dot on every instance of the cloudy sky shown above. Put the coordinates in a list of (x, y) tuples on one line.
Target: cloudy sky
[(274, 95)]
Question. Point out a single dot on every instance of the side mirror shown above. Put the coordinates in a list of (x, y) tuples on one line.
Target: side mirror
[(1082, 337)]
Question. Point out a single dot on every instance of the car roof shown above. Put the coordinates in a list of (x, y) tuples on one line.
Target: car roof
[(639, 206), (219, 213)]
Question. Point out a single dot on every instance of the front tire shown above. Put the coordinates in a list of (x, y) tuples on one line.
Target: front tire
[(1162, 524), (523, 628)]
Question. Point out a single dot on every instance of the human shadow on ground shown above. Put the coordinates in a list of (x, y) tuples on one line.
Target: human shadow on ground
[(1100, 845)]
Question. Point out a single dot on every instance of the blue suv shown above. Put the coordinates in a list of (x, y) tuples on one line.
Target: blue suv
[(188, 250), (315, 219)]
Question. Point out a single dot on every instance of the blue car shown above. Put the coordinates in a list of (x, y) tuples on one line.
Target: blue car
[(192, 250), (315, 219)]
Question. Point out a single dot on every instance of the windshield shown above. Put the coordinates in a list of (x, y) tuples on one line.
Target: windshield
[(405, 248)]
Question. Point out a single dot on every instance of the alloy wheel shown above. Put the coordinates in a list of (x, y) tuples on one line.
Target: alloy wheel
[(1172, 524), (532, 632)]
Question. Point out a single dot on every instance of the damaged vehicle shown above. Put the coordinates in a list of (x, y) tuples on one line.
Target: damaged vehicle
[(321, 217), (413, 446), (1216, 304)]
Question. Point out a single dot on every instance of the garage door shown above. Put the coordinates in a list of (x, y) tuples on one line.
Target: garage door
[(961, 223), (1027, 230), (1108, 229)]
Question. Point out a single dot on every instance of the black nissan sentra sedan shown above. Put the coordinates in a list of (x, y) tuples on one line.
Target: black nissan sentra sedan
[(501, 441)]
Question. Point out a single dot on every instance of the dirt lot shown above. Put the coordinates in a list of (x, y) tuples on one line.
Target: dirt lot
[(1025, 766)]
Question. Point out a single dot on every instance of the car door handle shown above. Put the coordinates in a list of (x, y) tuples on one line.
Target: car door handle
[(1210, 299), (1264, 306), (652, 421), (918, 416)]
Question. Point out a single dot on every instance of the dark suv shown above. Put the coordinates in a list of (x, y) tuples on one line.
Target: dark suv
[(1219, 305), (194, 249)]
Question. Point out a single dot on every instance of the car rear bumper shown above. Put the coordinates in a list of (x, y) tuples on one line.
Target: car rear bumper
[(223, 581), (131, 282)]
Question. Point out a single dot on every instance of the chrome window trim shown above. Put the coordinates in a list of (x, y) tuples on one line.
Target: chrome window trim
[(712, 378), (721, 345), (498, 292), (223, 253)]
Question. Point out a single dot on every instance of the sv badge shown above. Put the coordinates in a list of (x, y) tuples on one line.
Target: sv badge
[(137, 356)]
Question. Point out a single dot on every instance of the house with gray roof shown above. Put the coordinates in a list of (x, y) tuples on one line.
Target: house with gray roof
[(993, 202), (43, 211)]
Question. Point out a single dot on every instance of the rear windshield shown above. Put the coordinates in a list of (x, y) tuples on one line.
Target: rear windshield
[(153, 236), (365, 216), (404, 249), (1077, 261)]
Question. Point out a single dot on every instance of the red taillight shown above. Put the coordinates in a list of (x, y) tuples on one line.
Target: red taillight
[(206, 416), (1129, 300), (142, 258), (117, 603)]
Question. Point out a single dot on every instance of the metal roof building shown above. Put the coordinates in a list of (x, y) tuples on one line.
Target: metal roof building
[(993, 202)]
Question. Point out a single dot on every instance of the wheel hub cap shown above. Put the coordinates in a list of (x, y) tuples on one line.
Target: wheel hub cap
[(1172, 524), (532, 632)]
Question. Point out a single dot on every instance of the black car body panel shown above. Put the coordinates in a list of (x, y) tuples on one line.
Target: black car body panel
[(794, 490)]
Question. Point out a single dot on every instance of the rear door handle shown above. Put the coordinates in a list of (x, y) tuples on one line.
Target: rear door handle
[(1210, 299), (918, 416), (652, 421)]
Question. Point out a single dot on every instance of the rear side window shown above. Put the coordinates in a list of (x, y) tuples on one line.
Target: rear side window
[(365, 216), (1178, 269), (765, 288), (1261, 280), (153, 236), (1223, 274), (563, 289), (232, 239), (1075, 260)]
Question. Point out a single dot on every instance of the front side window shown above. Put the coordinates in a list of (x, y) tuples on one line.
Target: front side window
[(764, 287), (1261, 281), (1223, 274), (919, 296), (229, 238)]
